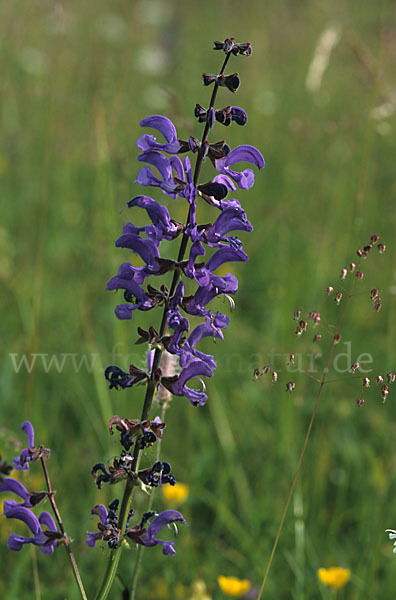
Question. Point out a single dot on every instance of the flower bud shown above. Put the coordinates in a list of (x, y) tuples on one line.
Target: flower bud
[(360, 401), (256, 373), (266, 369), (352, 267), (337, 338), (329, 290), (274, 377), (373, 293), (379, 380), (381, 248), (290, 386), (291, 359), (377, 304), (374, 239), (355, 367), (384, 392), (366, 382), (303, 324), (317, 337), (297, 315), (391, 377), (359, 275), (343, 273), (338, 297), (359, 252)]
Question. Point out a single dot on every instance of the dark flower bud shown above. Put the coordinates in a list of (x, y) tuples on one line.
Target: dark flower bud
[(211, 117), (238, 115), (232, 82), (359, 252), (354, 367), (290, 386), (366, 382), (367, 248), (297, 315), (338, 297), (317, 337), (205, 149), (384, 392), (200, 112), (374, 239), (343, 273), (379, 379), (256, 373), (329, 290), (303, 324), (229, 45), (266, 369), (359, 274), (391, 377), (214, 190), (291, 359), (381, 248), (373, 293), (337, 338), (274, 377), (194, 144), (352, 267), (360, 401), (377, 304), (208, 78)]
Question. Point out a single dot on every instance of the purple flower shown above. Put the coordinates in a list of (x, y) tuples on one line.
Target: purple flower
[(159, 216), (243, 179), (46, 539), (215, 285), (166, 518), (101, 511), (163, 125), (177, 384), (12, 485), (125, 280), (27, 455)]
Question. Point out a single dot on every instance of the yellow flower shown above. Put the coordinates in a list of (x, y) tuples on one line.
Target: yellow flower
[(334, 577), (232, 586), (175, 494)]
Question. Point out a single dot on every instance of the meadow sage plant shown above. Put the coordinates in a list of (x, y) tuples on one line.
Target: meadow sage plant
[(173, 166)]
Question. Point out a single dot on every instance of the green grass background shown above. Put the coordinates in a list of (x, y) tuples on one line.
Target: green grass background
[(77, 77)]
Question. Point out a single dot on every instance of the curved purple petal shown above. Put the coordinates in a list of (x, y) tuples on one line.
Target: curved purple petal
[(158, 214), (225, 255), (225, 180), (245, 153), (177, 166), (46, 519), (12, 485), (146, 248), (27, 428), (16, 542), (159, 161), (164, 126), (165, 518), (16, 511), (201, 331)]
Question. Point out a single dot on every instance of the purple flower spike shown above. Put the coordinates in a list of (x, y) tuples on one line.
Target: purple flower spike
[(166, 518), (21, 463), (243, 179), (12, 485), (47, 540), (163, 125)]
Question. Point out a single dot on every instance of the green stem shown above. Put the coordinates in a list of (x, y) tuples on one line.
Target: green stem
[(115, 555), (140, 549), (55, 510)]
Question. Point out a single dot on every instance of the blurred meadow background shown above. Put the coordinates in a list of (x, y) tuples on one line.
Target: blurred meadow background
[(319, 90)]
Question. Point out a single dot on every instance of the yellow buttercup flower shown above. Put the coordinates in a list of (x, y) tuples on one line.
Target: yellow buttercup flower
[(232, 586), (175, 494), (334, 577)]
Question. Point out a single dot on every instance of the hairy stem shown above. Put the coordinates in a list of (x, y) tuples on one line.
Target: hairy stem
[(58, 518)]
